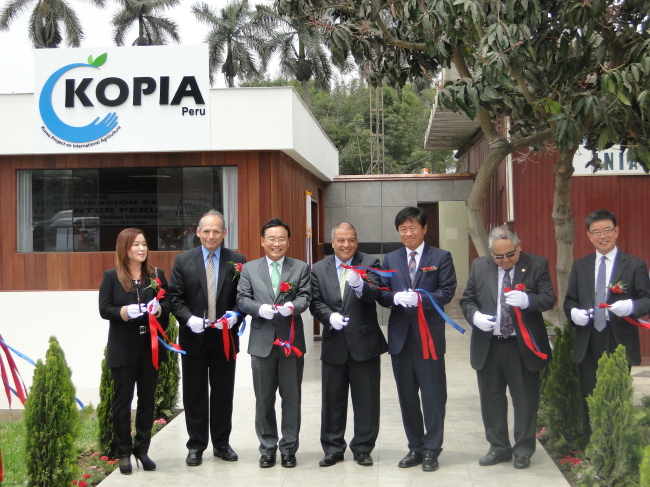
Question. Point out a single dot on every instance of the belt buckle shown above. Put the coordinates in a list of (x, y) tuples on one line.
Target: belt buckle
[(501, 337), (143, 329)]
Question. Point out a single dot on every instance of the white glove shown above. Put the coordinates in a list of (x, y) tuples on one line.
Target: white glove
[(153, 306), (135, 311), (624, 307), (406, 298), (286, 309), (484, 322), (354, 279), (338, 321), (232, 319), (267, 311), (517, 298), (196, 324), (580, 316)]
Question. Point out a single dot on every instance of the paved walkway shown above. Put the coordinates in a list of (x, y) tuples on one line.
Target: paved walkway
[(464, 442)]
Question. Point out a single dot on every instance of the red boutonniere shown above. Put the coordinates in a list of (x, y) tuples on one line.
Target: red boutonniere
[(618, 287), (429, 269), (237, 267), (156, 285), (521, 287), (286, 287)]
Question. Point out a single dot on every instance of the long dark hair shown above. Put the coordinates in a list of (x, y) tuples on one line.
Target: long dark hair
[(124, 242)]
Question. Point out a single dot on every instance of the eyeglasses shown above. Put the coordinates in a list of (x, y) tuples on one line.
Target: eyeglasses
[(605, 232), (509, 255), (274, 240)]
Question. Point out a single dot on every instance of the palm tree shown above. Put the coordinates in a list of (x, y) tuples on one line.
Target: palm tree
[(236, 35), (301, 49), (47, 21), (153, 30)]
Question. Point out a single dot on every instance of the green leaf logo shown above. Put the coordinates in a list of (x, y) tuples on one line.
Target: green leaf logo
[(97, 62)]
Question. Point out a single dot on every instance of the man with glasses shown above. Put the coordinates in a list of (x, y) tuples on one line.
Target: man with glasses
[(606, 276), (498, 349), (275, 290)]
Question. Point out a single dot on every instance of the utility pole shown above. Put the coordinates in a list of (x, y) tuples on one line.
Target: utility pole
[(377, 150)]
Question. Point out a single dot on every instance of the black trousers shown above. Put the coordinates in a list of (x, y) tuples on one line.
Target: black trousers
[(208, 389), (362, 380), (145, 375)]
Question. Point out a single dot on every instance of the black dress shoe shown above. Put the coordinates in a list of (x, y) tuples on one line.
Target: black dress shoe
[(411, 460), (522, 461), (330, 459), (194, 458), (125, 465), (363, 458), (492, 458), (267, 461), (288, 461), (147, 463), (429, 463), (226, 453)]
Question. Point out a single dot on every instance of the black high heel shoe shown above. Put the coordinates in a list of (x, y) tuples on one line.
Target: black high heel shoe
[(147, 463), (125, 465)]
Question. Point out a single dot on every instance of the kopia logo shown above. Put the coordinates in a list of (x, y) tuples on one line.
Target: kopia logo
[(143, 85)]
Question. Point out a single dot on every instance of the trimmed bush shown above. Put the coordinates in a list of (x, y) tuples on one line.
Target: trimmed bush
[(51, 422), (560, 397), (645, 468), (168, 379), (105, 412), (614, 450)]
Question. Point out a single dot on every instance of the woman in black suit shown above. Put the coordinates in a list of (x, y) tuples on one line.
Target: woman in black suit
[(127, 293)]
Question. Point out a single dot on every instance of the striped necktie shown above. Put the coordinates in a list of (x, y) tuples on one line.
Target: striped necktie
[(600, 296), (412, 269)]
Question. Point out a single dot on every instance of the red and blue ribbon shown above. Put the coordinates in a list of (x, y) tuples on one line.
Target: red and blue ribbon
[(631, 321), (288, 346), (154, 329), (228, 341), (525, 334)]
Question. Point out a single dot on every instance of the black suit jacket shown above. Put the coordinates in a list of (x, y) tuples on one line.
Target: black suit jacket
[(440, 283), (124, 339), (581, 292), (482, 292), (362, 337), (188, 290)]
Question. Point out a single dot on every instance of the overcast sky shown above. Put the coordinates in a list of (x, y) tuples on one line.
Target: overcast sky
[(16, 60)]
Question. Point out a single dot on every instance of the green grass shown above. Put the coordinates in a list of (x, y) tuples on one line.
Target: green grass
[(12, 443)]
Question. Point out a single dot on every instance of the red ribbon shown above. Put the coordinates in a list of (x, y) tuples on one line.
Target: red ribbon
[(425, 334), (18, 381), (288, 346), (631, 321), (364, 275), (525, 334), (154, 329), (228, 342)]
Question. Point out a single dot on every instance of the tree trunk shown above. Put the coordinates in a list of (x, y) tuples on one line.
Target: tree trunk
[(306, 97), (564, 225)]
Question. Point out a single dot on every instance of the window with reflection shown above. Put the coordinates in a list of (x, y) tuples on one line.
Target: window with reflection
[(83, 210)]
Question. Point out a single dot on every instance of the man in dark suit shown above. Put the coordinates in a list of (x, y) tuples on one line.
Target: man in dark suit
[(419, 266), (593, 281), (197, 302), (498, 351), (351, 347), (275, 290)]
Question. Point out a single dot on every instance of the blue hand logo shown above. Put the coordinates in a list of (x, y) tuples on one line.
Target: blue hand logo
[(93, 131)]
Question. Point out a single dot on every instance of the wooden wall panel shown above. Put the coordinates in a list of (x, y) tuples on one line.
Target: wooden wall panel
[(270, 184)]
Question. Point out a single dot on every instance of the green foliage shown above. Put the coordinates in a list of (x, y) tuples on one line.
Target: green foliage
[(12, 444), (153, 28), (51, 422), (560, 397), (168, 379), (645, 467), (615, 448), (105, 412)]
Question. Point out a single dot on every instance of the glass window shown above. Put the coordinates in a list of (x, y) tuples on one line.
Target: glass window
[(82, 210)]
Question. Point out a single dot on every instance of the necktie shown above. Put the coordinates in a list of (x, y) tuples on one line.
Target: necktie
[(600, 296), (507, 327), (412, 269), (212, 288), (275, 277), (342, 281)]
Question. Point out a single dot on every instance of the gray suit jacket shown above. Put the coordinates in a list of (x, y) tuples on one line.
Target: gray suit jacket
[(255, 289), (482, 292)]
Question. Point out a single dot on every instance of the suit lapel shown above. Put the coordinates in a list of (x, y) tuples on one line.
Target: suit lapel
[(403, 267), (493, 279), (223, 268), (265, 276), (617, 270), (590, 270), (425, 261), (287, 266), (332, 276), (200, 271), (520, 269)]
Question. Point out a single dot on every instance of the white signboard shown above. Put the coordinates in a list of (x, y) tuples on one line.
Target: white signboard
[(122, 99), (615, 163)]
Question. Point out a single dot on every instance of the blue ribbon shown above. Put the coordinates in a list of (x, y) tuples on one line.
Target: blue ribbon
[(81, 404), (242, 328), (442, 313), (171, 349), (376, 271), (22, 356)]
